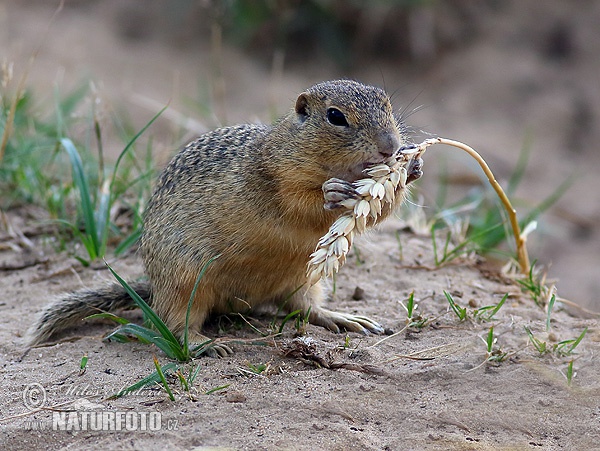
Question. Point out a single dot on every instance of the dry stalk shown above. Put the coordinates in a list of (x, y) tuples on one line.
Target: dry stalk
[(377, 190)]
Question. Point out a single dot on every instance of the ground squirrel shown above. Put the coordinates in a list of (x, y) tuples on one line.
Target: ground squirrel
[(259, 197)]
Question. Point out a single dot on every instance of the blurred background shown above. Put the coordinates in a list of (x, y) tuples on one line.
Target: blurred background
[(509, 78)]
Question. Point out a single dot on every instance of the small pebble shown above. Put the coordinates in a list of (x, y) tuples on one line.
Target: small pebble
[(235, 397), (359, 294)]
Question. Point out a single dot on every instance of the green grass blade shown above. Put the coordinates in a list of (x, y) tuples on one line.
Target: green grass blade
[(130, 144), (287, 318), (83, 364), (570, 372), (85, 240), (547, 202), (186, 347), (539, 345), (498, 306), (138, 331), (109, 316), (490, 340), (578, 340), (103, 218), (161, 375), (129, 241), (201, 348), (184, 383), (60, 119), (213, 390), (461, 312), (149, 380), (550, 307), (172, 350), (148, 312), (410, 304), (192, 376), (434, 245), (520, 167), (122, 334), (87, 206)]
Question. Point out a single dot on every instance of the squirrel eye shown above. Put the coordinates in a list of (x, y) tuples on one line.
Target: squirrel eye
[(336, 117)]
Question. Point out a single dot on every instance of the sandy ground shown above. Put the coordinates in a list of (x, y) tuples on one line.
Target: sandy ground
[(490, 94), (426, 389)]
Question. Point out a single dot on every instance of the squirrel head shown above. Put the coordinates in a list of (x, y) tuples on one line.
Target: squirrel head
[(347, 126)]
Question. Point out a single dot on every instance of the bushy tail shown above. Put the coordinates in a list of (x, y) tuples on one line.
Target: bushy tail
[(71, 309)]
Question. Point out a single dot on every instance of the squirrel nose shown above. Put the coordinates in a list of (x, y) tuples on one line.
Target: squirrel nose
[(387, 143)]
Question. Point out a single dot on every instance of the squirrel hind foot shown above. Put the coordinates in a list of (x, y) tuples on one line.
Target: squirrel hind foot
[(336, 321), (202, 345)]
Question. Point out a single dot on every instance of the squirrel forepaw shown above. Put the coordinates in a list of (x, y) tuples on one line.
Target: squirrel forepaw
[(336, 192), (414, 170)]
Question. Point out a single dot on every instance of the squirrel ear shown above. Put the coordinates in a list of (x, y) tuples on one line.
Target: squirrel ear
[(302, 106)]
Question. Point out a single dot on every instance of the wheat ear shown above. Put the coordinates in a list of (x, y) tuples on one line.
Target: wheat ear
[(375, 191), (378, 189)]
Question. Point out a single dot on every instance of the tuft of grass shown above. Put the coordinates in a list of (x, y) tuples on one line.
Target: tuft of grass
[(346, 344), (413, 319), (44, 164), (289, 316), (151, 379), (183, 381), (493, 354), (485, 313), (563, 348), (161, 336), (188, 382), (95, 209), (488, 312), (567, 347), (301, 322), (538, 344), (450, 251), (534, 285), (94, 235), (460, 312), (411, 306), (258, 369), (159, 377)]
